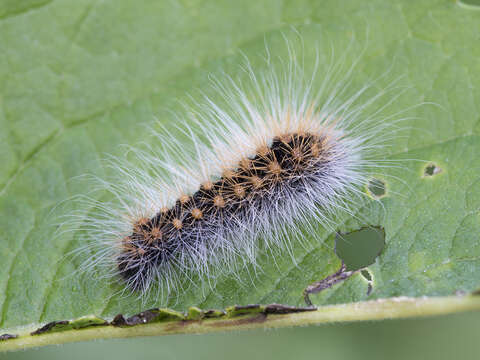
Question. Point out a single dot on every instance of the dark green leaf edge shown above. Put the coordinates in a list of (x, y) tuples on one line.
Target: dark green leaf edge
[(196, 321)]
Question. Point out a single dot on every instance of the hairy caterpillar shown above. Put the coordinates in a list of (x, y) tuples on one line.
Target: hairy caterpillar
[(284, 149)]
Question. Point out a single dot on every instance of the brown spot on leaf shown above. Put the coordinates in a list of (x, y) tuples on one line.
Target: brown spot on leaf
[(49, 327)]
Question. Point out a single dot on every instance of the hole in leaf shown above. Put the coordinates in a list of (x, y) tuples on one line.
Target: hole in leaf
[(366, 275), (376, 188), (431, 170), (360, 248)]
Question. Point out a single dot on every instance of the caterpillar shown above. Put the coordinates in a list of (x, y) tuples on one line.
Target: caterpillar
[(281, 150)]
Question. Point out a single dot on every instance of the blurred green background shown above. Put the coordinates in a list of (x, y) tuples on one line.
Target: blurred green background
[(447, 337)]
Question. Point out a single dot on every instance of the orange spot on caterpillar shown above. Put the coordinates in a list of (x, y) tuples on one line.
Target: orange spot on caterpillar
[(208, 185), (245, 163), (218, 201), (275, 168), (228, 174), (256, 181), (197, 213), (139, 225), (156, 234), (177, 223), (239, 191), (315, 149), (297, 153), (184, 199), (285, 138), (263, 151), (140, 222)]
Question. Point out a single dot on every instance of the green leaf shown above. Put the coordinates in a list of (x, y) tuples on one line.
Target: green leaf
[(79, 78)]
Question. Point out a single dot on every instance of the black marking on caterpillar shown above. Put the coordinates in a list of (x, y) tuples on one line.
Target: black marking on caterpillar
[(288, 163)]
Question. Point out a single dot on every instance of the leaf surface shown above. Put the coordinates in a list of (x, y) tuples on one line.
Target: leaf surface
[(80, 78)]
